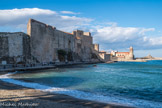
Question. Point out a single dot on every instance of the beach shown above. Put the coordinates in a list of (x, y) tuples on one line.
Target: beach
[(113, 85), (21, 97)]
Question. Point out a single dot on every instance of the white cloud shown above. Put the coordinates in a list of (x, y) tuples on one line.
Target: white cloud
[(68, 12), (109, 35), (155, 41), (18, 18), (146, 30), (11, 15), (116, 37)]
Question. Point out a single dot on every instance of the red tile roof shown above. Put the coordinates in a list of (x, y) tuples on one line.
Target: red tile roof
[(103, 51), (122, 52)]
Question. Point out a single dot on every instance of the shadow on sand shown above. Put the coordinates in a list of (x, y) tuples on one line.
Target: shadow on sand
[(10, 93)]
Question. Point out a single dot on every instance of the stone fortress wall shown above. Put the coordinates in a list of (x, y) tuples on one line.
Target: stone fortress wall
[(47, 40), (45, 44), (14, 47)]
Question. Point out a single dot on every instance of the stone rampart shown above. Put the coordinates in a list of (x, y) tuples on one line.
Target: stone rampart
[(15, 47)]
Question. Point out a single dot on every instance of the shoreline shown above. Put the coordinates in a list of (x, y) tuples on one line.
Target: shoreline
[(62, 64), (55, 93), (16, 94), (43, 67), (6, 90)]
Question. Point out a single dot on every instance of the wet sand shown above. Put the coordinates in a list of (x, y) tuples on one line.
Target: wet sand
[(16, 96)]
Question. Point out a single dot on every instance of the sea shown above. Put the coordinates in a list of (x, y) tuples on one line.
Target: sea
[(137, 84)]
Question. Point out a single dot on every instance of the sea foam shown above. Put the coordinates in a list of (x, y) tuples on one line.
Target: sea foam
[(84, 95)]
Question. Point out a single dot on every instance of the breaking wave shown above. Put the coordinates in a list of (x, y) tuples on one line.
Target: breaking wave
[(84, 95)]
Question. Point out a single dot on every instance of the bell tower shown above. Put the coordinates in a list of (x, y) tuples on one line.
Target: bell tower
[(131, 55)]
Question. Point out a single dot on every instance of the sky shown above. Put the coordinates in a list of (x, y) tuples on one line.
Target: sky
[(114, 24)]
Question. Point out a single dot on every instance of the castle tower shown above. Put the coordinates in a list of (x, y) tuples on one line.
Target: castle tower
[(131, 55), (78, 33), (96, 47)]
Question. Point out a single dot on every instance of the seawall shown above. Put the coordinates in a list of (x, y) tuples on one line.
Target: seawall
[(32, 67)]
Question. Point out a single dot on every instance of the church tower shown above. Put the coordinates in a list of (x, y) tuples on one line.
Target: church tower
[(131, 55)]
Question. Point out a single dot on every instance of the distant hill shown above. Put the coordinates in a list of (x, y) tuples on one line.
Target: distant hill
[(146, 57)]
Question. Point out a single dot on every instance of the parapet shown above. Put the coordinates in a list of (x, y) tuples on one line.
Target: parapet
[(30, 25), (77, 32), (87, 33), (80, 32), (13, 33)]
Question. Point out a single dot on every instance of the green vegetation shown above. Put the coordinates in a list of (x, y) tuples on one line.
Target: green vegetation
[(61, 55)]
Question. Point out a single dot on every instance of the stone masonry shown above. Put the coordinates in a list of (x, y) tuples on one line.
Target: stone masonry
[(47, 40), (14, 47), (45, 44)]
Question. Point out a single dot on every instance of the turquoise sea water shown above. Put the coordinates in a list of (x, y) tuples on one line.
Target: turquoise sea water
[(139, 82)]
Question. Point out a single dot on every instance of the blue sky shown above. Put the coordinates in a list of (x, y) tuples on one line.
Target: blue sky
[(115, 24)]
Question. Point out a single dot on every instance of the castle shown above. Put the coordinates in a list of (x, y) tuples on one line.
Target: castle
[(45, 44), (122, 56)]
